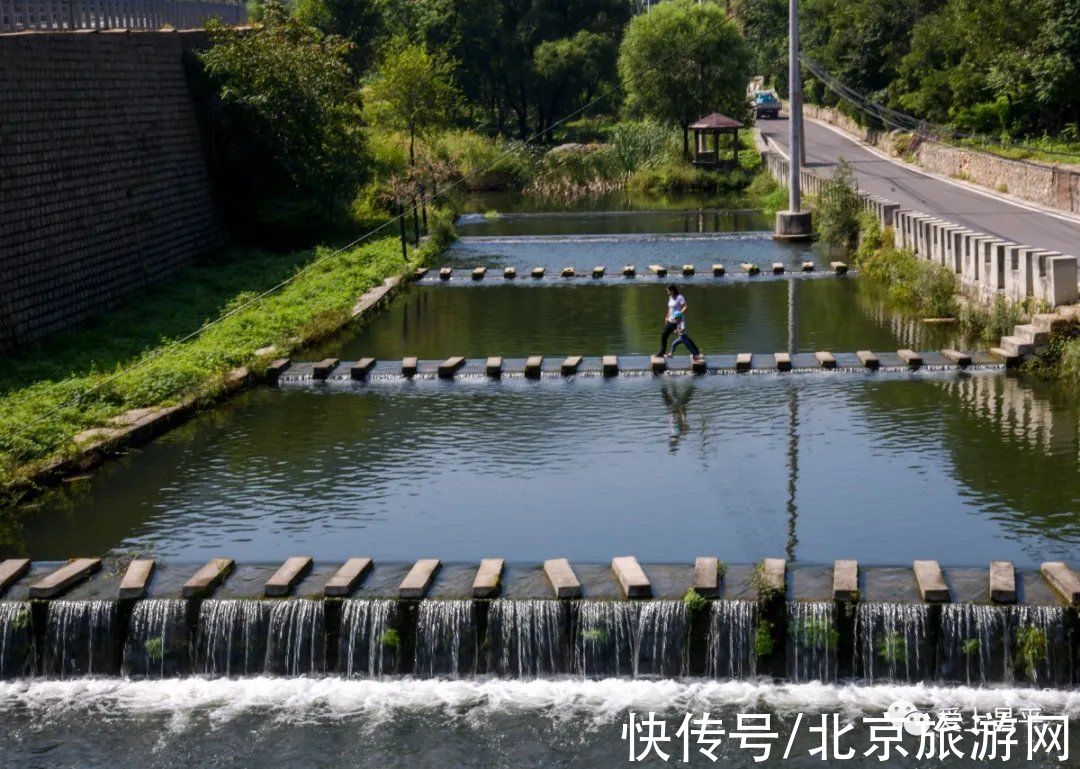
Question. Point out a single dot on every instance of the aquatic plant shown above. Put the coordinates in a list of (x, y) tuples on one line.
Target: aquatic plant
[(893, 648), (815, 633), (154, 648), (763, 638), (969, 647), (694, 601), (391, 638), (594, 635), (1030, 649)]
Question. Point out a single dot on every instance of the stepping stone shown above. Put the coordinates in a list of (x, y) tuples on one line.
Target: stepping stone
[(488, 576), (931, 582), (1010, 359), (777, 268), (840, 268), (288, 576), (563, 579), (323, 368), (362, 368), (532, 366), (774, 577), (568, 272), (629, 271), (479, 273), (445, 273), (688, 269), (1002, 582), (449, 367), (750, 269), (277, 368), (64, 578), (570, 365), (699, 365), (742, 362), (1064, 580), (420, 272), (807, 266), (910, 357), (658, 364), (868, 359), (419, 579), (631, 577), (346, 579), (494, 366), (136, 578), (718, 270), (845, 580), (207, 579), (408, 367), (658, 270), (610, 365), (707, 576), (825, 359), (961, 359), (538, 272), (783, 361), (598, 271), (509, 273), (11, 571)]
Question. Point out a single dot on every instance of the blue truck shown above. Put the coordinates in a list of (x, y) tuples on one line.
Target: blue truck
[(766, 105)]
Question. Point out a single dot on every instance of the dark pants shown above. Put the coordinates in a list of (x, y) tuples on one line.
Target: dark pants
[(669, 329), (684, 339)]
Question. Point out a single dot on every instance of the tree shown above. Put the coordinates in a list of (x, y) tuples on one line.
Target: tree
[(412, 91), (358, 21), (288, 150), (569, 71), (709, 72)]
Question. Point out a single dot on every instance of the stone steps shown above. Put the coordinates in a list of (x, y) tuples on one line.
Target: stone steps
[(1014, 345)]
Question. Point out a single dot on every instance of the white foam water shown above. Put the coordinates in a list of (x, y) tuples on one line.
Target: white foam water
[(302, 700)]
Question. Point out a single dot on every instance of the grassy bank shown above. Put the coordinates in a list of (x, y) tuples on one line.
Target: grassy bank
[(55, 389)]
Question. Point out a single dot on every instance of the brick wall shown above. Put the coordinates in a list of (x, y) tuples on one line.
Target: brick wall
[(103, 181)]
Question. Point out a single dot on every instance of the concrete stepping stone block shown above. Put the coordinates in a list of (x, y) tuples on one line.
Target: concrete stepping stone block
[(445, 273), (493, 366), (277, 368), (931, 582), (450, 366), (568, 272), (777, 268), (362, 368), (11, 571), (631, 577), (419, 579), (688, 269), (563, 579), (773, 573), (347, 578), (868, 359), (699, 365), (845, 580), (807, 266), (598, 271), (1002, 582), (488, 577), (532, 366), (961, 359), (420, 272), (408, 366), (783, 361), (658, 270), (840, 268), (707, 576), (610, 364), (324, 368), (910, 357), (1064, 580), (718, 270), (478, 273), (743, 361), (136, 578), (288, 575), (629, 271), (658, 364), (67, 576), (1008, 357), (568, 367), (750, 269), (208, 578), (825, 359), (538, 272), (509, 273)]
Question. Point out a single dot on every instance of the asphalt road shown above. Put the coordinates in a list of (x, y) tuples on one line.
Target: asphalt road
[(916, 191)]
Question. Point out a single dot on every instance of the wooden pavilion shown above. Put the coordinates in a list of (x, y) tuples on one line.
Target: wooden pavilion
[(707, 132)]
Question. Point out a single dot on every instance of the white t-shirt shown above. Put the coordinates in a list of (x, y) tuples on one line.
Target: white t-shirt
[(676, 304)]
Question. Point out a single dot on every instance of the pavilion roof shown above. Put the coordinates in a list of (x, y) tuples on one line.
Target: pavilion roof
[(717, 121)]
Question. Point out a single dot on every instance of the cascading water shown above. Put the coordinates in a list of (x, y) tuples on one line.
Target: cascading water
[(80, 638), (812, 641), (891, 641), (296, 638), (17, 653), (157, 645), (1039, 651), (731, 652), (624, 638), (446, 643), (368, 642), (231, 638), (525, 638)]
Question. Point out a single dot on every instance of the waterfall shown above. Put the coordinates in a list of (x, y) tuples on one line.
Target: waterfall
[(80, 638), (157, 642), (525, 638), (368, 642), (625, 638), (296, 638), (445, 639), (731, 652), (1039, 650), (231, 638), (811, 652), (17, 653), (891, 641)]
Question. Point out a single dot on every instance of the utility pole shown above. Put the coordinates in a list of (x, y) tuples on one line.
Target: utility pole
[(794, 224)]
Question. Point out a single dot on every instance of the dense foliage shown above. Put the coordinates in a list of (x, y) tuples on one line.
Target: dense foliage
[(991, 66)]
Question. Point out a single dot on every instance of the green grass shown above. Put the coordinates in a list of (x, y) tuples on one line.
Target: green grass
[(47, 389)]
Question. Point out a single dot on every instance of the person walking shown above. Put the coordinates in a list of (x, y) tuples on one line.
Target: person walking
[(675, 323)]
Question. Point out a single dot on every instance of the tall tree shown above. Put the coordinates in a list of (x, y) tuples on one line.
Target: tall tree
[(413, 90), (358, 21), (709, 73)]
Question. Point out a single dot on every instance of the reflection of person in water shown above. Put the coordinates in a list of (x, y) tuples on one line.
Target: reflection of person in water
[(676, 399)]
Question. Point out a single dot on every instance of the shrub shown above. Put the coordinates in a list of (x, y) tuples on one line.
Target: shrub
[(838, 210)]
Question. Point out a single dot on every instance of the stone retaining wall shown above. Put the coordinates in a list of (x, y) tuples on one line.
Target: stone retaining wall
[(1049, 185), (104, 186)]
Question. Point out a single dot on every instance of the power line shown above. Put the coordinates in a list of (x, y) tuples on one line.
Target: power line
[(75, 399)]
